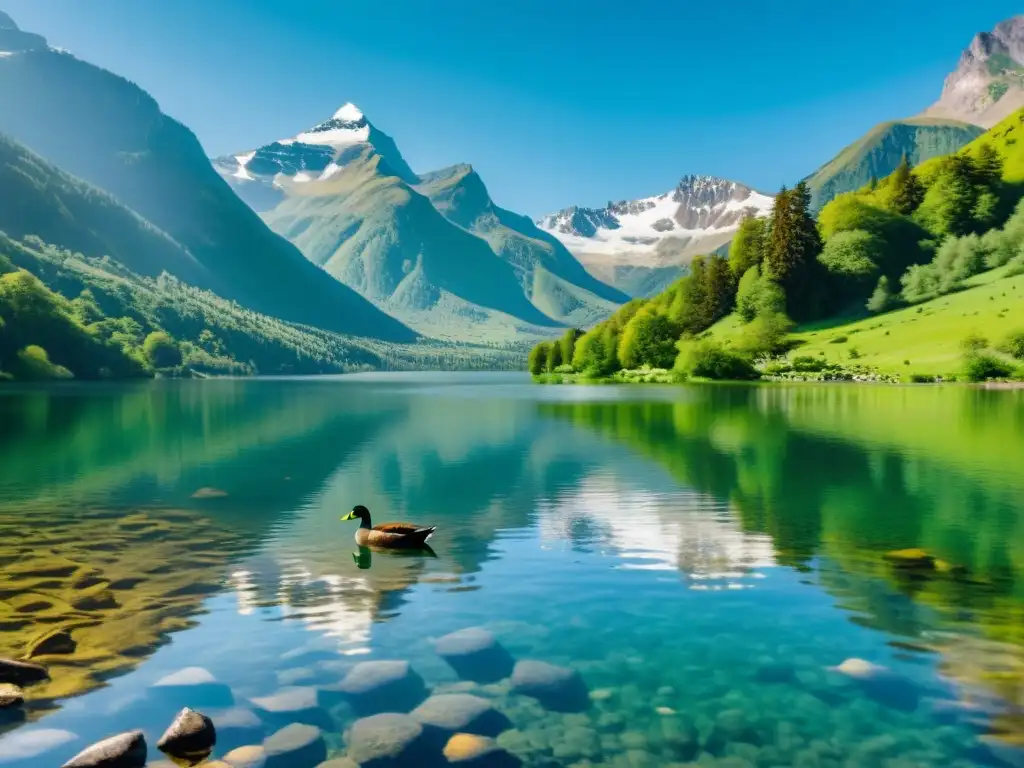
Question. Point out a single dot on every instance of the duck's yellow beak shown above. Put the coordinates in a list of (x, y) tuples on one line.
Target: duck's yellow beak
[(349, 516)]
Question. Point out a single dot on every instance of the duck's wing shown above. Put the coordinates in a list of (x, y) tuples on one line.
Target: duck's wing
[(402, 529)]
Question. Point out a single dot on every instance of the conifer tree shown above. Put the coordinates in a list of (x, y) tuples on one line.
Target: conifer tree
[(554, 355), (538, 359), (907, 192), (791, 258), (988, 166)]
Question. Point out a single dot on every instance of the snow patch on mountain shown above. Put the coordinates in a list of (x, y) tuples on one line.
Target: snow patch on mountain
[(698, 208)]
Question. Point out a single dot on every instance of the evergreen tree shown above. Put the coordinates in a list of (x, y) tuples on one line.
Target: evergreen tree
[(568, 344), (554, 355), (907, 192), (720, 292), (610, 348), (538, 359), (988, 166), (873, 183), (793, 248)]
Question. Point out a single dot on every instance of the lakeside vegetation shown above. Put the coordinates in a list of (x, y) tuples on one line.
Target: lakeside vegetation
[(925, 265)]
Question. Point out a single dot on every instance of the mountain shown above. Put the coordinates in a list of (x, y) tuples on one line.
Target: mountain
[(641, 246), (112, 134), (433, 250), (42, 200), (878, 152), (988, 83)]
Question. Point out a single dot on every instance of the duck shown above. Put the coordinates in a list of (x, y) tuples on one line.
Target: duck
[(388, 535)]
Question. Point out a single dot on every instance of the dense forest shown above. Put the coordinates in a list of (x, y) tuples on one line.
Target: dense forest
[(913, 236), (65, 315)]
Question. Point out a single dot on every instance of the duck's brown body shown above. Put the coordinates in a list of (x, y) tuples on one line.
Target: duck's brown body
[(388, 535)]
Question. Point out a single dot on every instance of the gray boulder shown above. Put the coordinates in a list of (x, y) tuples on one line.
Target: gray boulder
[(194, 687), (253, 756), (296, 746), (191, 735), (12, 703), (453, 713), (558, 689), (293, 705), (475, 654), (374, 687), (390, 740), (126, 750), (22, 672), (237, 727)]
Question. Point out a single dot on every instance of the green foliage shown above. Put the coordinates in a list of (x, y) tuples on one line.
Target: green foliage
[(710, 360), (851, 259), (568, 344), (34, 365), (905, 193), (881, 299), (792, 251), (748, 293), (973, 342), (898, 238), (537, 362), (921, 283), (962, 198), (979, 366), (1013, 344), (748, 245), (766, 335), (554, 356), (161, 350), (648, 339)]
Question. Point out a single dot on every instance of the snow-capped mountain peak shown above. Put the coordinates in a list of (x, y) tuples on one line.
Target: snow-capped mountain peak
[(699, 215), (348, 126)]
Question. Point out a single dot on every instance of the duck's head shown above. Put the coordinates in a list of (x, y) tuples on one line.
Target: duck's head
[(359, 512)]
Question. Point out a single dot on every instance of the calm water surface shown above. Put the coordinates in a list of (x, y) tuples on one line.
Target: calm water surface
[(703, 557)]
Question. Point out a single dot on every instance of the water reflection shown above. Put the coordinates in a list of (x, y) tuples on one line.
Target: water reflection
[(703, 557)]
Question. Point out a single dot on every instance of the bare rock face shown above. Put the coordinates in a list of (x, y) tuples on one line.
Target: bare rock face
[(126, 750), (988, 83), (191, 735)]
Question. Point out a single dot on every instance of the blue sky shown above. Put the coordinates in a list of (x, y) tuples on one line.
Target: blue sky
[(555, 102)]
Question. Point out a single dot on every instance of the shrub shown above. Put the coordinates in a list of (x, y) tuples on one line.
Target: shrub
[(854, 353), (709, 360), (34, 364), (882, 299), (766, 335), (839, 340), (981, 367), (921, 378), (973, 342), (1013, 344), (161, 350), (806, 364)]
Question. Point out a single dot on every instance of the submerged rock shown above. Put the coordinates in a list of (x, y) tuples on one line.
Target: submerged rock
[(126, 750), (385, 740), (191, 735), (882, 684), (34, 744), (253, 756), (237, 727), (296, 746), (11, 697), (475, 654), (195, 687), (22, 672), (559, 689), (373, 687), (209, 493), (910, 558), (461, 713), (293, 705), (468, 749)]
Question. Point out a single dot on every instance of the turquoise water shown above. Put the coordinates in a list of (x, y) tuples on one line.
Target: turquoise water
[(702, 557)]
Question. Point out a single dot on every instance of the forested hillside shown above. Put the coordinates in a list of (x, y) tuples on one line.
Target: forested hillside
[(916, 235)]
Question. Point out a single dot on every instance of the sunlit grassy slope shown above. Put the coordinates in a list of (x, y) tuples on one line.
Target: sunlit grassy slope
[(923, 339)]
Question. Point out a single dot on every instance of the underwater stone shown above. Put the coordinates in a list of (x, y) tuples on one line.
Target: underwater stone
[(126, 750), (190, 735), (882, 684), (296, 746), (472, 750), (22, 672), (237, 727), (731, 726), (252, 756), (681, 737), (33, 745), (475, 654), (293, 705), (209, 493), (385, 740), (195, 687), (11, 696), (559, 689), (461, 713), (374, 687)]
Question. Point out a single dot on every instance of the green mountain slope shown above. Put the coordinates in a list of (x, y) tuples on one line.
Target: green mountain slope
[(372, 231), (42, 200), (878, 152), (549, 275), (107, 131)]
